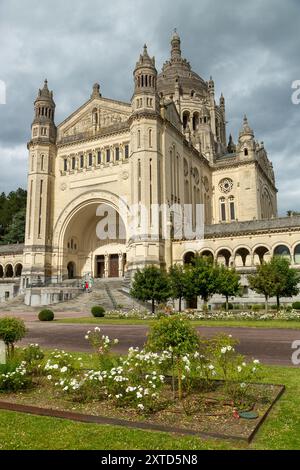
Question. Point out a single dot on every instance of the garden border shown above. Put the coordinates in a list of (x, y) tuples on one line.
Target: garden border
[(80, 417)]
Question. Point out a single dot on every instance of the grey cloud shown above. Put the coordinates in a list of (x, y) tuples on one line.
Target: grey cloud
[(250, 48)]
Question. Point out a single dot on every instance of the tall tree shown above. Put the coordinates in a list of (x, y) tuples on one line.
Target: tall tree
[(151, 284), (205, 275), (228, 282), (15, 231), (285, 278), (262, 282), (177, 277), (12, 210)]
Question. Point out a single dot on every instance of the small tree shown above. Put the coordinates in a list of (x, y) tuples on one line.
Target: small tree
[(262, 282), (176, 335), (12, 330), (205, 277), (228, 282), (285, 278), (151, 283), (179, 282)]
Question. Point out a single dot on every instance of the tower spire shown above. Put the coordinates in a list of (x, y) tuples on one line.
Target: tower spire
[(175, 46)]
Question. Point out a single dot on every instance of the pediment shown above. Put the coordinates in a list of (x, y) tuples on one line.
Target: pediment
[(96, 114)]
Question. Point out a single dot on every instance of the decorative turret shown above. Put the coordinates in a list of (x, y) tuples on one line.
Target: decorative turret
[(231, 147), (222, 103), (246, 133), (43, 126), (211, 86), (96, 91), (145, 79), (175, 47)]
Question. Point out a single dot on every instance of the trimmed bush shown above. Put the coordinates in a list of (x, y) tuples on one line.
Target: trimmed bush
[(12, 330), (46, 315), (98, 311), (296, 305)]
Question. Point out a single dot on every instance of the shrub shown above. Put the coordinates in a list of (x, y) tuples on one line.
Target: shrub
[(230, 306), (32, 353), (296, 305), (12, 330), (14, 377), (176, 335), (46, 315), (101, 344), (98, 311), (257, 307)]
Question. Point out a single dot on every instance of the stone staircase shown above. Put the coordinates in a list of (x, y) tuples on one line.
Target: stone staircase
[(109, 293)]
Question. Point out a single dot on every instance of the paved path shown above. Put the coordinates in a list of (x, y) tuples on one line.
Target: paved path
[(271, 346)]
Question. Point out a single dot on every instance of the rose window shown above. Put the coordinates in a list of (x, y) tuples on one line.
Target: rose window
[(226, 185)]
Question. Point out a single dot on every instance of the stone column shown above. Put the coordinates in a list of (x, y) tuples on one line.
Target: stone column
[(106, 264), (120, 264)]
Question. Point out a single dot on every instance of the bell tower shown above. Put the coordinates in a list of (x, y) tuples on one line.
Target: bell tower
[(145, 96), (42, 153), (145, 246)]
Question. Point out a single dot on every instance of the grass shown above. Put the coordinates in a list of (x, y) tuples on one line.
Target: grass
[(283, 324), (280, 431)]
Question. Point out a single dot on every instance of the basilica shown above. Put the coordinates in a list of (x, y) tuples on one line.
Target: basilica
[(168, 145)]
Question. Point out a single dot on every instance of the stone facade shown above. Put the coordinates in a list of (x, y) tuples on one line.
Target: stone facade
[(167, 146)]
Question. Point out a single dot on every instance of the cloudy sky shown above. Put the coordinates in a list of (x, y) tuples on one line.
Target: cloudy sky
[(251, 48)]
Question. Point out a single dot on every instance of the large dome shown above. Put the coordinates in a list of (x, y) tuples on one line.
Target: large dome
[(178, 69)]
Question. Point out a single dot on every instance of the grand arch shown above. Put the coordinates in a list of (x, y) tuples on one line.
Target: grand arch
[(83, 241)]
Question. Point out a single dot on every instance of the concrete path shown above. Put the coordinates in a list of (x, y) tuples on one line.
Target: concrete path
[(271, 346)]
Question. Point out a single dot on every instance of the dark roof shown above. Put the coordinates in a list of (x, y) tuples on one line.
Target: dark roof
[(243, 228), (13, 248)]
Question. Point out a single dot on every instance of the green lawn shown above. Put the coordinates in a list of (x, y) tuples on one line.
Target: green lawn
[(280, 431), (223, 323)]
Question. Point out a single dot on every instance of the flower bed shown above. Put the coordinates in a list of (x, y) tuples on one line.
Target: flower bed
[(292, 315), (190, 385)]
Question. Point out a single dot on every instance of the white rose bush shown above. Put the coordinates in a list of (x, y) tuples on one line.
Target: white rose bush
[(175, 364)]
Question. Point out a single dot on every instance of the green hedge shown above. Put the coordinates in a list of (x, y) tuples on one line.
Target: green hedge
[(98, 311), (46, 315)]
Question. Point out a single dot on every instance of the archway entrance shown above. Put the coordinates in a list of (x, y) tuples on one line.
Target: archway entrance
[(100, 266), (71, 270), (95, 240)]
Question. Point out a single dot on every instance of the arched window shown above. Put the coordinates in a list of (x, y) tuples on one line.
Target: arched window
[(150, 137), (1, 271), (195, 121), (231, 208), (223, 257), (282, 250), (297, 254), (223, 209), (189, 257), (139, 139), (246, 153), (18, 270), (9, 272), (71, 270), (185, 119)]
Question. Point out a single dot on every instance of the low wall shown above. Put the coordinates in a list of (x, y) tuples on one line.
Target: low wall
[(43, 296), (8, 290)]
